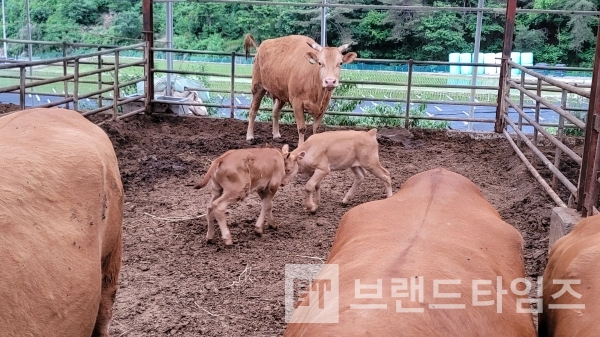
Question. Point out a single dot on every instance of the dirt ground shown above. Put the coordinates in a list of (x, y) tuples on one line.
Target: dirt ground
[(173, 283)]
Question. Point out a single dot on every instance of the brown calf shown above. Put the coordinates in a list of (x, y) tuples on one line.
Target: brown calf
[(237, 173), (340, 150), (288, 70), (571, 281)]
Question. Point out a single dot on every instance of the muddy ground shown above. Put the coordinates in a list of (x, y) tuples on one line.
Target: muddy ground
[(173, 283)]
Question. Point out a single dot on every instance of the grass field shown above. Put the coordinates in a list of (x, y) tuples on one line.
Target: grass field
[(395, 86)]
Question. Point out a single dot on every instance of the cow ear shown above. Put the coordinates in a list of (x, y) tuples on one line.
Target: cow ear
[(314, 46), (301, 155), (349, 57), (311, 57), (285, 149)]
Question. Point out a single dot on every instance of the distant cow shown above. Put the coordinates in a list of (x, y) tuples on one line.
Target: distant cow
[(289, 71), (571, 292), (61, 202), (340, 150), (435, 259), (237, 173)]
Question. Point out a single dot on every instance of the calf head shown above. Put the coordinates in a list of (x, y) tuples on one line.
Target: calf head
[(329, 60), (291, 164)]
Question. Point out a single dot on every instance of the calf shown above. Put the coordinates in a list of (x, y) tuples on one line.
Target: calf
[(340, 150), (237, 173), (435, 259), (572, 283)]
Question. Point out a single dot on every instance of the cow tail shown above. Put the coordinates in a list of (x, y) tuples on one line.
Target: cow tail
[(248, 43), (213, 167)]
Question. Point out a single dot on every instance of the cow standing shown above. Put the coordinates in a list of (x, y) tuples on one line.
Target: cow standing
[(571, 292), (61, 208), (236, 174), (288, 70), (336, 151), (390, 253)]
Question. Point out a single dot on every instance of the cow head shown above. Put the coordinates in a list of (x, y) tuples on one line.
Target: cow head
[(291, 164), (329, 60)]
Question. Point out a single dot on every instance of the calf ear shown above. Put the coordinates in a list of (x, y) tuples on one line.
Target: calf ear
[(311, 57), (349, 57), (300, 155)]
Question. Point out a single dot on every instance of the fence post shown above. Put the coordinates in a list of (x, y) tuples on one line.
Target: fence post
[(537, 111), (116, 87), (409, 84), (148, 23), (100, 78), (521, 105), (76, 84), (509, 29), (232, 112), (559, 136), (23, 72), (65, 71)]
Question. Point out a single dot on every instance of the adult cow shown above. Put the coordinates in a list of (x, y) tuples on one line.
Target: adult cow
[(294, 69), (61, 202), (431, 260), (571, 292)]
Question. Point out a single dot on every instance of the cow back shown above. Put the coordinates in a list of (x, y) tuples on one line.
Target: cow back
[(437, 228), (60, 216), (573, 260)]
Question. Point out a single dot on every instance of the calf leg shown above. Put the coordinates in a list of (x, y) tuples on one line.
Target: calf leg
[(359, 177), (111, 265), (210, 233), (317, 122), (310, 188), (219, 207), (257, 95), (277, 106), (265, 211), (383, 174)]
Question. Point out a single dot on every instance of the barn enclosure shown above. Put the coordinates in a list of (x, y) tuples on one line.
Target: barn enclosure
[(175, 284)]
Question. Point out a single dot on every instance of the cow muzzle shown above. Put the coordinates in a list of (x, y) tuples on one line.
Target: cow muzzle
[(330, 83)]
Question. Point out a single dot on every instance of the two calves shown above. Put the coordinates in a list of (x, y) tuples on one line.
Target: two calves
[(237, 173)]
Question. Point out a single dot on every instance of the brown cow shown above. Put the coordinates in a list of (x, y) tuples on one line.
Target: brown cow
[(571, 292), (340, 150), (425, 262), (61, 204), (281, 71), (237, 173)]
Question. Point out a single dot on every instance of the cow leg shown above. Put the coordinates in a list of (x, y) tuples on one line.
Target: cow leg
[(299, 116), (359, 177), (257, 95), (277, 106), (318, 194), (219, 207), (317, 122), (111, 265), (383, 174), (310, 188), (210, 233)]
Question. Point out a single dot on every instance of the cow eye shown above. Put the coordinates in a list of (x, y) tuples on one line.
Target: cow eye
[(341, 63), (320, 63)]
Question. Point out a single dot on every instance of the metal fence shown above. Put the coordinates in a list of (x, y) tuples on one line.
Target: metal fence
[(96, 75), (72, 73)]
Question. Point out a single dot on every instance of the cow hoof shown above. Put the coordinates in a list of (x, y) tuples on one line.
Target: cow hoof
[(228, 243), (210, 241), (251, 141), (258, 232), (274, 227), (278, 139)]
